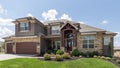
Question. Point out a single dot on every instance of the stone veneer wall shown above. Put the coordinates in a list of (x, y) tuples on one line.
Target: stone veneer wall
[(97, 43)]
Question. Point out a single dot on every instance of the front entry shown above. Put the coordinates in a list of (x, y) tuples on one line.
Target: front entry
[(68, 37), (68, 40)]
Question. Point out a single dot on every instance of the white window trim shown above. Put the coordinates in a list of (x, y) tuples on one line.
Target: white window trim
[(24, 30), (58, 28), (88, 43)]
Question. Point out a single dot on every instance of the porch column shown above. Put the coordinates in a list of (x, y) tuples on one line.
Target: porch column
[(14, 47), (5, 47), (38, 47)]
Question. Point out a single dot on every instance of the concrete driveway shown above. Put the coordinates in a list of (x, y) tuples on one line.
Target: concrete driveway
[(12, 56)]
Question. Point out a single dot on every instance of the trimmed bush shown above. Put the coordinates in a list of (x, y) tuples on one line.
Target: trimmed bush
[(66, 56), (75, 52), (103, 57), (60, 52), (95, 53), (108, 58), (47, 56), (80, 56), (118, 61), (95, 56), (59, 57), (49, 51), (89, 54)]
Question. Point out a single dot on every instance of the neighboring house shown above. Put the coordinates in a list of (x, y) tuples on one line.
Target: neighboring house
[(35, 37), (117, 52)]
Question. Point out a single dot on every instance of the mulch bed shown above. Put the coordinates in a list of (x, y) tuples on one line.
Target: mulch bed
[(73, 58), (53, 59)]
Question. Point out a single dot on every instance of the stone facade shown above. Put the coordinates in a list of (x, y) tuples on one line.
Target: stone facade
[(43, 38), (98, 46)]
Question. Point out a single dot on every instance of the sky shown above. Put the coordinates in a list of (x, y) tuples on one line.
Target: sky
[(103, 14)]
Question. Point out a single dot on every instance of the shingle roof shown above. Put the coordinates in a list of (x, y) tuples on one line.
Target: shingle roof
[(84, 27), (87, 28)]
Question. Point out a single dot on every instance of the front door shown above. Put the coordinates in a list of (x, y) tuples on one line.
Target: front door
[(68, 44)]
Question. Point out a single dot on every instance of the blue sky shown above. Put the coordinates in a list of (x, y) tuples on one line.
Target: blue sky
[(99, 13)]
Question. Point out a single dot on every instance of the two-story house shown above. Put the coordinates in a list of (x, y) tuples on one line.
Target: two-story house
[(35, 37)]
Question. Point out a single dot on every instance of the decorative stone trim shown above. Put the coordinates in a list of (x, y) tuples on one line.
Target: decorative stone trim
[(25, 39)]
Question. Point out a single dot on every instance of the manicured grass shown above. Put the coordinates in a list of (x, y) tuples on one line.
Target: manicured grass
[(35, 63)]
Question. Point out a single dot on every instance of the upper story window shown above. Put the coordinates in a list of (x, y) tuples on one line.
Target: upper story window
[(88, 41), (55, 30), (24, 26), (107, 40)]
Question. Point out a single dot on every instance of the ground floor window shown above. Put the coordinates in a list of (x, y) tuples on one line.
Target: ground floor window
[(107, 40), (56, 45), (88, 41)]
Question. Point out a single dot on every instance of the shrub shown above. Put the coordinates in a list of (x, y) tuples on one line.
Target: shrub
[(66, 56), (80, 56), (95, 56), (47, 56), (54, 51), (75, 52), (59, 57), (118, 61), (108, 58), (49, 51), (89, 54), (114, 58), (99, 57), (95, 53), (103, 57), (60, 52)]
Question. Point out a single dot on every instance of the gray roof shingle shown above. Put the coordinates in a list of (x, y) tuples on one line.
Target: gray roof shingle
[(87, 28)]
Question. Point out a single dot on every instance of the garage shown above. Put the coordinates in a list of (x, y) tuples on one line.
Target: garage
[(26, 48), (9, 48)]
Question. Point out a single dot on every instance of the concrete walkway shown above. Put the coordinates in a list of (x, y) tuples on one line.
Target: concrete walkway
[(12, 56)]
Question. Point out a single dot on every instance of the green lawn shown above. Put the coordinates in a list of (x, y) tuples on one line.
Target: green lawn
[(35, 63)]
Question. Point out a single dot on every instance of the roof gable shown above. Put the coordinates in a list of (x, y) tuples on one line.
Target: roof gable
[(68, 23)]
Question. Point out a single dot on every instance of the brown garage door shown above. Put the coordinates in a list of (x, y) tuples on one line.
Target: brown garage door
[(9, 48), (26, 48)]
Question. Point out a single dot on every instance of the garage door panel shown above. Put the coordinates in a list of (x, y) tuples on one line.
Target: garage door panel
[(26, 48)]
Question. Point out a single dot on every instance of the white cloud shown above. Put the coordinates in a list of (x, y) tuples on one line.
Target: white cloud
[(29, 15), (65, 16), (2, 10), (104, 22), (6, 22), (117, 40), (118, 34), (81, 22), (50, 15), (4, 31)]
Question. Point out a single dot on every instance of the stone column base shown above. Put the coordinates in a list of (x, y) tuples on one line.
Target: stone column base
[(62, 48)]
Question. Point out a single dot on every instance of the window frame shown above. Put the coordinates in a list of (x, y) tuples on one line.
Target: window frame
[(88, 39), (55, 31), (24, 27), (106, 42)]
